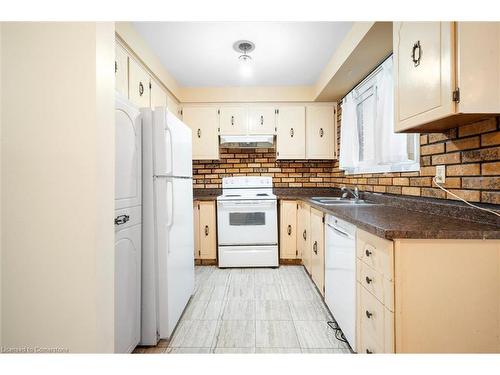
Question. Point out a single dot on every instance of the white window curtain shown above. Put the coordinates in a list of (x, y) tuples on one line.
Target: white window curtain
[(368, 143)]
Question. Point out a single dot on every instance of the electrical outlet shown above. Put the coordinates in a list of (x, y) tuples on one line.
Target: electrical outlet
[(440, 174)]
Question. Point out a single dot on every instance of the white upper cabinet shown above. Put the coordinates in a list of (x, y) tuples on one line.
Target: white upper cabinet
[(203, 122), (158, 95), (121, 70), (233, 120), (261, 120), (173, 107), (320, 131), (291, 132), (139, 92), (443, 76)]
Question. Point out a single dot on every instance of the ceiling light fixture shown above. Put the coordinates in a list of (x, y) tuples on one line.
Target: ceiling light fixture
[(244, 47)]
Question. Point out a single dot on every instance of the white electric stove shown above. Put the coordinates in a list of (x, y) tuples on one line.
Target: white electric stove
[(247, 222)]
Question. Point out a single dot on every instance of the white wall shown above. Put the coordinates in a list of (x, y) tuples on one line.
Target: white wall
[(58, 186)]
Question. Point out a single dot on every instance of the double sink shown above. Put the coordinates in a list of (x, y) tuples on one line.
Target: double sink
[(338, 201)]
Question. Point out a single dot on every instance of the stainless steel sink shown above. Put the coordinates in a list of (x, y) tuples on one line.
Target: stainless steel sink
[(337, 201)]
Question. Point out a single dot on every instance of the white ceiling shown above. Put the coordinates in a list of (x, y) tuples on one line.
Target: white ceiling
[(201, 53)]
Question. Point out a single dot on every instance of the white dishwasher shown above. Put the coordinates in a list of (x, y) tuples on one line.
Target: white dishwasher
[(340, 274)]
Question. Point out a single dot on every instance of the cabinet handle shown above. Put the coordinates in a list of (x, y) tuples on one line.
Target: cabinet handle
[(206, 230), (368, 351), (368, 252), (116, 67), (315, 247), (262, 120), (368, 314), (232, 120), (321, 132), (304, 234), (199, 133), (289, 230), (415, 57), (291, 132), (141, 89), (122, 219), (368, 280)]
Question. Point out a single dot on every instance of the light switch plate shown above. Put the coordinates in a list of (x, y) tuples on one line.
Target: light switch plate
[(440, 174)]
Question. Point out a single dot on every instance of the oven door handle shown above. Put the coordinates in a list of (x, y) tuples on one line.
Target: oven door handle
[(248, 204)]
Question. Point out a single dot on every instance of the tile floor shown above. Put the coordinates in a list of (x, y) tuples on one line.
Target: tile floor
[(253, 310)]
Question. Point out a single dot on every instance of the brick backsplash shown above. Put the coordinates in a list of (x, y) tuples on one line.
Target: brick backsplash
[(262, 162), (471, 154)]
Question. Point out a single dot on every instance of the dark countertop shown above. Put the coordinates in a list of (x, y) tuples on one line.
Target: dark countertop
[(392, 221)]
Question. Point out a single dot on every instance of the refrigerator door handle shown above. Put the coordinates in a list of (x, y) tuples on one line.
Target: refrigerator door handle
[(171, 161), (170, 204)]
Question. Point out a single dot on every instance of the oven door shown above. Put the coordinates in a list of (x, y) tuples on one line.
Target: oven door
[(249, 222)]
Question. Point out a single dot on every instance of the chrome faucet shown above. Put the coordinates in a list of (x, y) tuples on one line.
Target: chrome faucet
[(346, 191)]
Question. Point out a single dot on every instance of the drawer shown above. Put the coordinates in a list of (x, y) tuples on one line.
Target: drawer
[(375, 322), (376, 252), (376, 283)]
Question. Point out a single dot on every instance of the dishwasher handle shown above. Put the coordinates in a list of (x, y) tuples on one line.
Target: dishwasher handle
[(341, 232)]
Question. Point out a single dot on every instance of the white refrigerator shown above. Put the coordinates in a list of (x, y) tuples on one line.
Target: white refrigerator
[(168, 239)]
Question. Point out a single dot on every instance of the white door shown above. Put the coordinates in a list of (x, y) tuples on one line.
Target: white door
[(203, 122), (233, 120), (261, 120), (128, 154), (175, 249), (320, 122), (158, 95), (127, 278), (291, 135), (172, 147)]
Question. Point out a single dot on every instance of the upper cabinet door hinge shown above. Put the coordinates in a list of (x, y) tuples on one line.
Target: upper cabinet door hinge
[(456, 95)]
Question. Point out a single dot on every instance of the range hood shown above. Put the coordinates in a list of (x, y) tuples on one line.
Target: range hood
[(247, 141)]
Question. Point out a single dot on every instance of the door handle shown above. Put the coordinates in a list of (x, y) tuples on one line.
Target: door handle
[(315, 247), (368, 314), (289, 230), (321, 132), (206, 230), (262, 120), (368, 252), (414, 56), (116, 67), (304, 234), (291, 132), (232, 120), (199, 133), (368, 280), (141, 89), (122, 219)]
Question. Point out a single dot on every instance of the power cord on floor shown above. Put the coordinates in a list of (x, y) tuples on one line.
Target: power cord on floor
[(463, 200), (339, 335)]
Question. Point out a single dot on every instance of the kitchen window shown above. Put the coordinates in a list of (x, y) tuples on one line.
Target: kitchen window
[(368, 143)]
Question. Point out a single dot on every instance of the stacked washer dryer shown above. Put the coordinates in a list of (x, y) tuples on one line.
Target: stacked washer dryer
[(128, 207)]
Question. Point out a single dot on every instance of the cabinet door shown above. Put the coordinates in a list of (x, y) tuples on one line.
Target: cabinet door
[(196, 224), (288, 229), (121, 71), (138, 90), (291, 135), (173, 107), (320, 132), (261, 120), (424, 69), (233, 120), (158, 95), (203, 123), (318, 246), (208, 246), (304, 235)]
